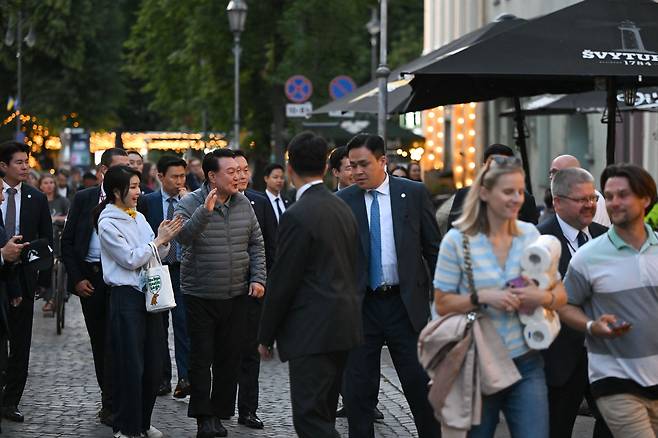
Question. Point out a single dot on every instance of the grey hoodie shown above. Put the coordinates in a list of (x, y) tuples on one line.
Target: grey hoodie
[(124, 246)]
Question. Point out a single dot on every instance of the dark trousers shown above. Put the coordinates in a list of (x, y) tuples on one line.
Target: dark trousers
[(249, 362), (181, 338), (314, 384), (20, 340), (136, 348), (385, 319), (216, 329), (4, 356), (96, 311), (564, 402)]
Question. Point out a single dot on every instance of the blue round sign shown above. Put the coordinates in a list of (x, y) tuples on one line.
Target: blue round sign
[(298, 89), (341, 86)]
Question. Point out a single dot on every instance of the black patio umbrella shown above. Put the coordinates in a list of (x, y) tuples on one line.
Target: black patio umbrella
[(364, 98), (593, 45), (584, 103)]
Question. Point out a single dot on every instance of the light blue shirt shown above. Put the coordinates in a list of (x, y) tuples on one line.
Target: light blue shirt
[(450, 276)]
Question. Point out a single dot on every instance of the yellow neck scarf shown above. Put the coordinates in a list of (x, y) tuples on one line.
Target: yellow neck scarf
[(131, 212)]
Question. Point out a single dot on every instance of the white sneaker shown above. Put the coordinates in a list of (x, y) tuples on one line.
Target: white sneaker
[(153, 433)]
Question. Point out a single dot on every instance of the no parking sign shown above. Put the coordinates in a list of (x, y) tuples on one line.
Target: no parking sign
[(341, 86)]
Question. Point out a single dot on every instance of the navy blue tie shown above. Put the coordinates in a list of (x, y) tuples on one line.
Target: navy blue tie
[(582, 239), (375, 267)]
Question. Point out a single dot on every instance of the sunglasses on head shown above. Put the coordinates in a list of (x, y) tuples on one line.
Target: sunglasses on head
[(504, 161)]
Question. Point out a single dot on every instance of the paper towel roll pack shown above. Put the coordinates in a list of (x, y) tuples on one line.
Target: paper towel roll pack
[(542, 256), (539, 263)]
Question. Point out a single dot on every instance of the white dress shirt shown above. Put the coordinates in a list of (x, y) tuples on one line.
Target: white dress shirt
[(389, 256), (62, 191), (17, 200), (305, 187), (601, 216), (272, 197), (571, 234)]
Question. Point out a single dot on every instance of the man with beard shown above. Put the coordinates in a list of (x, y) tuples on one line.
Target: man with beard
[(612, 284)]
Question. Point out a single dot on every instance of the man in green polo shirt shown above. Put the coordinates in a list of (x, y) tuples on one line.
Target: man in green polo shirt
[(612, 283)]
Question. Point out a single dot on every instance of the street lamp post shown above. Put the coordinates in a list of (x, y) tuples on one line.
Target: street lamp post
[(30, 40), (382, 73), (237, 15), (373, 29)]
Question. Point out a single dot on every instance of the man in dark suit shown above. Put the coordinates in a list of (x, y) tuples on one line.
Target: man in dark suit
[(81, 254), (136, 161), (275, 181), (26, 213), (156, 207), (574, 199), (399, 242), (9, 253), (249, 357), (311, 303), (528, 213)]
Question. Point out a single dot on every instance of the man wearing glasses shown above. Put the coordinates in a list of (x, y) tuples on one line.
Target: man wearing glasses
[(568, 161), (575, 203)]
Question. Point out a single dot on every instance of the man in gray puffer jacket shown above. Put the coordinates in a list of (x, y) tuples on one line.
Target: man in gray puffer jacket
[(223, 261)]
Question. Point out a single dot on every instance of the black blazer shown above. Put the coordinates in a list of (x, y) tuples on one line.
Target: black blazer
[(562, 357), (267, 221), (35, 223), (77, 235), (417, 240), (528, 212), (7, 289), (311, 301), (150, 205)]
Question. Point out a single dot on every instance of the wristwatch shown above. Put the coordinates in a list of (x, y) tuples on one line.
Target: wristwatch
[(589, 327), (475, 300)]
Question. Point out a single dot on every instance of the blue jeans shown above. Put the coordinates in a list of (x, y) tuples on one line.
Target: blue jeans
[(524, 404)]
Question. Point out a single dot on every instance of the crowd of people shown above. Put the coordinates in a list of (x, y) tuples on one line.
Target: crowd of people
[(327, 279)]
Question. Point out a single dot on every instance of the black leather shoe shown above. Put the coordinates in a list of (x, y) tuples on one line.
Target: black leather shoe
[(250, 420), (12, 413), (379, 415), (220, 430), (164, 389), (105, 416), (341, 413), (205, 427), (183, 389)]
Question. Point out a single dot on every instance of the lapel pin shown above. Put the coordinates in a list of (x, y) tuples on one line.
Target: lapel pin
[(29, 196), (404, 195), (253, 203)]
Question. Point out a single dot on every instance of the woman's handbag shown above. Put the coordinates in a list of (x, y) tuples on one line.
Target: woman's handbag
[(159, 291)]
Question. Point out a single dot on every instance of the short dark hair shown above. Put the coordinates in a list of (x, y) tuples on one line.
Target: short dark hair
[(240, 153), (271, 168), (497, 149), (640, 181), (211, 160), (64, 172), (106, 158), (89, 175), (116, 178), (374, 143), (336, 157), (167, 161), (9, 148), (134, 152), (307, 154)]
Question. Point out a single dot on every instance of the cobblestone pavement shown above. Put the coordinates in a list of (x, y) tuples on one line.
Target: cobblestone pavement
[(62, 399)]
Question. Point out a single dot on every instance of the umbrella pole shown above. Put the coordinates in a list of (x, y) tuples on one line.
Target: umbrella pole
[(612, 122), (520, 141)]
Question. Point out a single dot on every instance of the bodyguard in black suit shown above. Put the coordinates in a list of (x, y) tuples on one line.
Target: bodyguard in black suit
[(574, 199), (26, 213), (81, 257), (249, 358), (311, 303), (398, 253), (156, 207)]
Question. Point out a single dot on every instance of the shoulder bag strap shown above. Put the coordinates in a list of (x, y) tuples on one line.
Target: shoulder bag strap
[(468, 264)]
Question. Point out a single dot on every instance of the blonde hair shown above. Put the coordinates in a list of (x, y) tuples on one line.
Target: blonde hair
[(473, 218)]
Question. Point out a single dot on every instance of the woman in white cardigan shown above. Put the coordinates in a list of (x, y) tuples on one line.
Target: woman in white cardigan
[(126, 239)]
